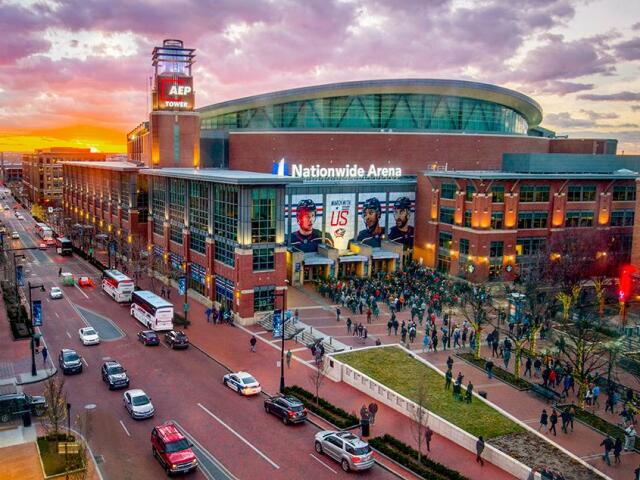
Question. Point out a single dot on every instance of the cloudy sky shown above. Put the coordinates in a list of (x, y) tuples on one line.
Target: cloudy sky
[(75, 72)]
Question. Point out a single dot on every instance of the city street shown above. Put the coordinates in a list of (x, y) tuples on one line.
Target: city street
[(230, 432)]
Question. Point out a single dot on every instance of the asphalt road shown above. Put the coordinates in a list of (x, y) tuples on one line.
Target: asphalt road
[(233, 436)]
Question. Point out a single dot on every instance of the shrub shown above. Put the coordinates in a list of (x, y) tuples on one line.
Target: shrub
[(599, 424), (498, 372), (323, 408)]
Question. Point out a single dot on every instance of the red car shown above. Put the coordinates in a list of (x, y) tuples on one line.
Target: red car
[(170, 447), (86, 282)]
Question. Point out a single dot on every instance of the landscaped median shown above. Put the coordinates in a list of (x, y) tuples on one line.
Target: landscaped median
[(55, 461), (397, 377)]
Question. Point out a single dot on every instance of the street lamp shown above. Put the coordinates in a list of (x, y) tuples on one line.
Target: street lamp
[(185, 306), (33, 353)]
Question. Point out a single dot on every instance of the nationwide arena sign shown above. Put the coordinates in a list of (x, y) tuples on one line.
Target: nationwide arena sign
[(348, 171)]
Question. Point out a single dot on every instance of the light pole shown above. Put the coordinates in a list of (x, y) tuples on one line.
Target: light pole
[(33, 352), (283, 320), (185, 306)]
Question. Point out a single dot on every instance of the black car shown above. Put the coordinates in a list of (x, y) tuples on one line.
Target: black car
[(17, 404), (114, 375), (148, 337), (69, 361), (176, 339), (288, 408)]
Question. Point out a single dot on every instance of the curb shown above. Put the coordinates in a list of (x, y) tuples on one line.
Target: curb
[(49, 375)]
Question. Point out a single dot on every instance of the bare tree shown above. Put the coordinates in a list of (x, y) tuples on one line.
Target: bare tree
[(420, 415), (476, 303), (81, 459), (56, 412), (317, 377)]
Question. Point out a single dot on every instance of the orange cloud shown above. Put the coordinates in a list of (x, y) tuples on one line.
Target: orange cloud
[(85, 136)]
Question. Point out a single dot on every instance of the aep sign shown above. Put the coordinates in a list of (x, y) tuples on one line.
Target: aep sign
[(174, 93)]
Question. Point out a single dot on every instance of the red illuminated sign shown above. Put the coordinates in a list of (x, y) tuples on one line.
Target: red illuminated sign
[(174, 93), (626, 282)]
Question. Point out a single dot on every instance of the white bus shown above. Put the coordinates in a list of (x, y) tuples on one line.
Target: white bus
[(45, 233), (151, 310), (117, 285)]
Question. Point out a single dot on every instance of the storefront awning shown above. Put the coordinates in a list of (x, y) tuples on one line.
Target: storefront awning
[(315, 259), (380, 254), (352, 258)]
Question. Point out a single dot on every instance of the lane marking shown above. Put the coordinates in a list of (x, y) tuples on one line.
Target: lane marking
[(275, 465), (68, 334), (85, 362), (56, 313), (80, 290), (322, 463), (125, 429)]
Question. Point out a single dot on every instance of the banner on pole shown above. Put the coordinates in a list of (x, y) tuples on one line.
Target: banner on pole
[(182, 283), (37, 313)]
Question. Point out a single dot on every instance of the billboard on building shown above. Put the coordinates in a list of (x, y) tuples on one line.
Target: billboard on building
[(371, 220), (304, 223), (174, 92), (341, 212), (402, 207)]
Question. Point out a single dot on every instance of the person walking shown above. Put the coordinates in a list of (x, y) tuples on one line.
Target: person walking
[(565, 417), (527, 367), (428, 434), (572, 414), (45, 354), (489, 368), (373, 409), (617, 448), (289, 355), (389, 326), (469, 394), (338, 314), (447, 379), (479, 450), (553, 419), (544, 420), (450, 362), (607, 443), (60, 272), (253, 342), (425, 343), (629, 438), (349, 323)]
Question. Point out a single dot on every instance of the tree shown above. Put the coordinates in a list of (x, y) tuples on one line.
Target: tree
[(317, 377), (568, 300), (420, 416), (600, 284), (475, 305), (584, 350), (56, 412)]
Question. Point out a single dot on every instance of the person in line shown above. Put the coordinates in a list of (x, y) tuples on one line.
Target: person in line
[(553, 420), (617, 448), (447, 379), (428, 434), (544, 421), (629, 438), (489, 368)]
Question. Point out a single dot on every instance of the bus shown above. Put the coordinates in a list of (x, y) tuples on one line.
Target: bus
[(45, 233), (64, 246), (151, 310), (117, 285)]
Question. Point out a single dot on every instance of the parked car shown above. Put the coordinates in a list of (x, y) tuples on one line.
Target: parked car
[(114, 375), (242, 382), (88, 336), (14, 405), (148, 337), (176, 339), (346, 448), (288, 408), (170, 447), (69, 361), (138, 404), (15, 235), (55, 292), (42, 246)]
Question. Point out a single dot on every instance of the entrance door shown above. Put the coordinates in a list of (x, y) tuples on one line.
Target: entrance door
[(348, 269)]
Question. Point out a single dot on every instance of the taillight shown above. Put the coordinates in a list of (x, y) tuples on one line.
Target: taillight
[(290, 413), (355, 459), (305, 411)]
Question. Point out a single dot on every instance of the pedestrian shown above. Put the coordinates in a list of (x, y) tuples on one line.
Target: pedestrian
[(447, 379), (553, 419), (60, 272), (489, 368), (428, 433), (544, 419), (636, 472), (479, 450), (369, 312), (449, 362), (253, 342), (425, 343), (596, 395), (527, 367), (617, 448), (564, 416), (364, 411), (378, 342), (469, 393), (572, 414), (629, 438), (45, 354), (365, 333), (506, 356), (389, 326), (168, 293), (349, 323), (289, 355), (338, 314), (607, 443), (373, 409)]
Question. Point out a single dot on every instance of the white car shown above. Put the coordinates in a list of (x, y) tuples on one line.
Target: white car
[(138, 404), (20, 217), (242, 382), (15, 235), (88, 336), (55, 292)]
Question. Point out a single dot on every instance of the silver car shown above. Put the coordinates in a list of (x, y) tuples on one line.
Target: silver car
[(346, 448), (138, 404)]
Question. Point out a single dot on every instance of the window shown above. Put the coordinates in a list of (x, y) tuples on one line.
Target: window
[(532, 220), (263, 259), (464, 246), (497, 194), (198, 278), (581, 218), (530, 246), (624, 193), (197, 241), (446, 215), (224, 252), (448, 191), (469, 193), (158, 225), (467, 218), (177, 194), (497, 220), (263, 298), (496, 250), (225, 212), (444, 241), (263, 215), (224, 291), (198, 215), (622, 218), (534, 193), (581, 193)]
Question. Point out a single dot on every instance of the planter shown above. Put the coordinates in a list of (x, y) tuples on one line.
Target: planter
[(55, 465), (323, 408)]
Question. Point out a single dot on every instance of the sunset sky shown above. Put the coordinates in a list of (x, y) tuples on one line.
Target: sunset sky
[(75, 73)]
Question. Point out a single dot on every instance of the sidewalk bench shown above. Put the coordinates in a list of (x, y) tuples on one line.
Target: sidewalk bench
[(68, 447), (545, 392)]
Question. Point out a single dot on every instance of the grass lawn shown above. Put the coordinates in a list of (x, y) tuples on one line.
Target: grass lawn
[(54, 463), (400, 372)]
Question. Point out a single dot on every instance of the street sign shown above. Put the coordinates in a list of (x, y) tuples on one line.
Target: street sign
[(182, 283), (37, 313), (185, 307)]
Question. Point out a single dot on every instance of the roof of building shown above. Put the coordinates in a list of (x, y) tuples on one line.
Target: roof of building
[(502, 175), (118, 166), (220, 175)]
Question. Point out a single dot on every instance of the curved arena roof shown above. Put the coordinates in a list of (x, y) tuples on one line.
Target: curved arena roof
[(405, 104)]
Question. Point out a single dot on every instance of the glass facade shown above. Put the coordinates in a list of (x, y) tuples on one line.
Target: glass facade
[(534, 193), (263, 298), (263, 259), (448, 190), (375, 111), (158, 204), (177, 194), (624, 193), (198, 215), (581, 193), (622, 218), (225, 223), (532, 220), (581, 218), (263, 215)]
